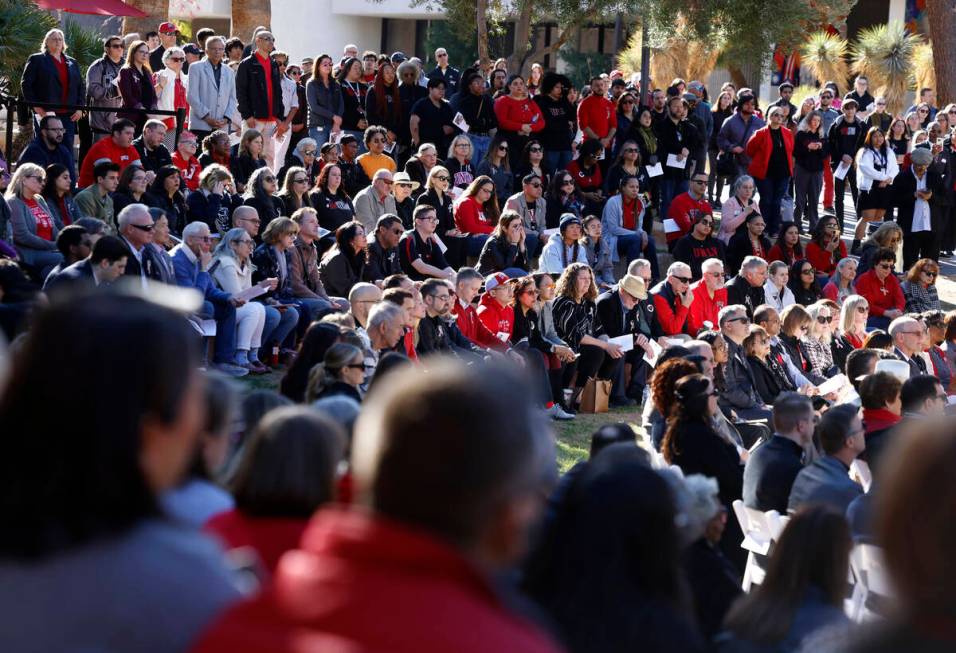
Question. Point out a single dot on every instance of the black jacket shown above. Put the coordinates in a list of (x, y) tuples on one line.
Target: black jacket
[(809, 160), (354, 178), (560, 122), (436, 336), (155, 159), (671, 139), (269, 208), (212, 209), (333, 210), (766, 382), (740, 248), (611, 319), (339, 274), (266, 260), (479, 112), (251, 91), (498, 254), (380, 262), (739, 291), (443, 210), (391, 118), (769, 474), (700, 450), (526, 328), (904, 197), (243, 166), (844, 139), (451, 77)]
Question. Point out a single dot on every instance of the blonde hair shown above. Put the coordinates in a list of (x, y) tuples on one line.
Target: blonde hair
[(278, 228), (24, 170), (848, 313), (212, 173), (460, 138), (814, 310), (329, 370), (434, 172), (46, 37)]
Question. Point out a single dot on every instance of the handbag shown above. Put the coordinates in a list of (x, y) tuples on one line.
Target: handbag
[(595, 396), (726, 164)]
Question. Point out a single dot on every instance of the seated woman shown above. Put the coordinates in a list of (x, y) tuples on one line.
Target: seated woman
[(882, 410), (936, 328), (459, 163), (245, 158), (919, 289), (341, 372), (437, 196), (562, 197), (598, 252), (748, 241), (889, 235), (331, 203), (574, 314), (275, 498), (816, 341), (770, 379), (803, 589), (692, 443), (343, 265), (55, 535), (794, 323), (826, 248), (278, 239), (294, 194), (215, 200), (851, 331), (627, 164), (505, 250), (586, 174), (59, 199), (882, 290), (840, 285), (787, 248), (167, 191), (34, 228), (666, 375), (803, 283), (738, 208), (477, 213), (777, 290), (532, 163), (260, 194), (231, 268), (316, 341)]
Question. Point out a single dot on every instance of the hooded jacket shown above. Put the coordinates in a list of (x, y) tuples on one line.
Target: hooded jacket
[(497, 318)]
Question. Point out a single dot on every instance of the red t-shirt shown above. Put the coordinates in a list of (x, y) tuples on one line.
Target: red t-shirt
[(267, 67), (598, 113), (684, 211), (629, 211), (44, 221), (190, 170), (823, 261), (105, 148), (64, 74), (586, 181)]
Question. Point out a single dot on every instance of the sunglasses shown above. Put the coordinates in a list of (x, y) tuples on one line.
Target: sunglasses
[(386, 181), (824, 320), (698, 181), (535, 185), (684, 279), (300, 180), (142, 227), (295, 72), (356, 366), (179, 59), (885, 266), (308, 153), (630, 150), (503, 148), (442, 178), (862, 309), (534, 149), (397, 232), (931, 275), (269, 179), (706, 223), (530, 291), (116, 46), (806, 271), (826, 97), (567, 182)]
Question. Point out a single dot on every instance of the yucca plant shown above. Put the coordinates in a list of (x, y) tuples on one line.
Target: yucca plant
[(884, 53), (924, 74), (824, 55)]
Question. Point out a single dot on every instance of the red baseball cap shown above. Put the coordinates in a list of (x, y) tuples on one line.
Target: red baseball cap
[(492, 281), (168, 28)]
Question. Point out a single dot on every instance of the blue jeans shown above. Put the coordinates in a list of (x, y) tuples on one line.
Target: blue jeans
[(479, 147), (315, 307), (629, 248), (321, 136), (279, 324), (557, 159), (474, 244), (771, 195), (225, 316), (670, 188), (515, 273), (877, 322)]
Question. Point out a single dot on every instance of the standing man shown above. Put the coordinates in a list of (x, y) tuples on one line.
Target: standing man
[(676, 139), (167, 39), (431, 118), (845, 137), (597, 117), (737, 130), (785, 92), (259, 94), (829, 116), (212, 93), (101, 87), (290, 107), (446, 73)]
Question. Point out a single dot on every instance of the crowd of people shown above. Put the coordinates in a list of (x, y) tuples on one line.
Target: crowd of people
[(431, 277)]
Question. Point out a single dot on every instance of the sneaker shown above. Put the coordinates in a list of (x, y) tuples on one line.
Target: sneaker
[(230, 369), (625, 402), (556, 413)]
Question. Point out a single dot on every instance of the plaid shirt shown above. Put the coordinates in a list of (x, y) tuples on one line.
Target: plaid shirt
[(920, 299), (818, 355)]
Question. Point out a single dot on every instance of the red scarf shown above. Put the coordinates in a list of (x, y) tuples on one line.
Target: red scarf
[(877, 419)]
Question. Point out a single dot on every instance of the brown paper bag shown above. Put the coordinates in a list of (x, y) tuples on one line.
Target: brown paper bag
[(595, 395)]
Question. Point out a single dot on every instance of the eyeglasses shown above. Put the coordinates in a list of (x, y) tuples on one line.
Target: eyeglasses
[(743, 319), (115, 46), (462, 145), (308, 153), (683, 279), (862, 309), (246, 241), (252, 220), (429, 218), (37, 177), (567, 182), (824, 320), (142, 227), (270, 178), (885, 266), (534, 149), (698, 181), (178, 59), (530, 291), (442, 178), (356, 366)]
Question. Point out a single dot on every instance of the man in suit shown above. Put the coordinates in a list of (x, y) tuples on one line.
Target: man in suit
[(190, 258), (104, 265), (739, 392), (907, 333), (827, 479), (136, 232), (212, 93)]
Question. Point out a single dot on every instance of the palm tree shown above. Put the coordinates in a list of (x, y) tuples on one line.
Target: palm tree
[(157, 11), (824, 55), (942, 23), (249, 14)]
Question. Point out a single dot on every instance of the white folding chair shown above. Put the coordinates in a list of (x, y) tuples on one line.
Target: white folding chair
[(871, 583), (760, 530)]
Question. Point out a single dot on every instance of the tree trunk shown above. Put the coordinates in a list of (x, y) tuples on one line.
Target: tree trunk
[(737, 77), (481, 15), (248, 15), (942, 30), (157, 10), (522, 40)]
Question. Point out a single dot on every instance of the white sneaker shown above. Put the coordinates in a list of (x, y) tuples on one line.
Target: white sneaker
[(557, 413)]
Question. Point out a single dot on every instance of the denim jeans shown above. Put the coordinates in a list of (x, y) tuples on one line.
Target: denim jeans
[(771, 195), (474, 244), (479, 147), (670, 188), (279, 325), (225, 316), (629, 248), (557, 159), (320, 135)]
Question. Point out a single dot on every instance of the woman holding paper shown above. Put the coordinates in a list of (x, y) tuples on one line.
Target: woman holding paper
[(232, 268), (738, 207), (876, 168)]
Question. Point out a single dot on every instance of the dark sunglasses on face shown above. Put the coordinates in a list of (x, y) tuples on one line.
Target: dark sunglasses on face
[(142, 227), (630, 150), (742, 319), (397, 232), (567, 182), (683, 279), (885, 266), (268, 179), (535, 185), (932, 275), (824, 320), (534, 149), (862, 309), (806, 271), (178, 59), (503, 148), (707, 223), (442, 178)]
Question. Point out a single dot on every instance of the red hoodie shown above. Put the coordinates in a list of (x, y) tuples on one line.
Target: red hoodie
[(497, 318), (470, 217), (473, 328), (359, 582)]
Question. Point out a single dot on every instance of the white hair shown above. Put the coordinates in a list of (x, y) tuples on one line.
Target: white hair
[(215, 37), (304, 143), (383, 313), (677, 267), (752, 264), (711, 265), (195, 229), (129, 212), (637, 265), (171, 51), (899, 324), (153, 123)]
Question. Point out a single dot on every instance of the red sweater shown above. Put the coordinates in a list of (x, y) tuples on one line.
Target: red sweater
[(473, 328), (190, 170), (269, 537), (822, 260), (105, 149), (704, 308), (759, 148), (882, 295), (364, 583), (671, 314), (470, 217), (598, 113), (513, 113), (495, 317), (685, 211)]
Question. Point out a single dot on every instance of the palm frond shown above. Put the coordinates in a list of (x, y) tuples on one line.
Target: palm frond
[(85, 44), (825, 56)]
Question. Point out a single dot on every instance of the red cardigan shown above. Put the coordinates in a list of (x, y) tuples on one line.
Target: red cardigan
[(822, 260), (868, 286), (512, 113), (759, 148), (470, 217)]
